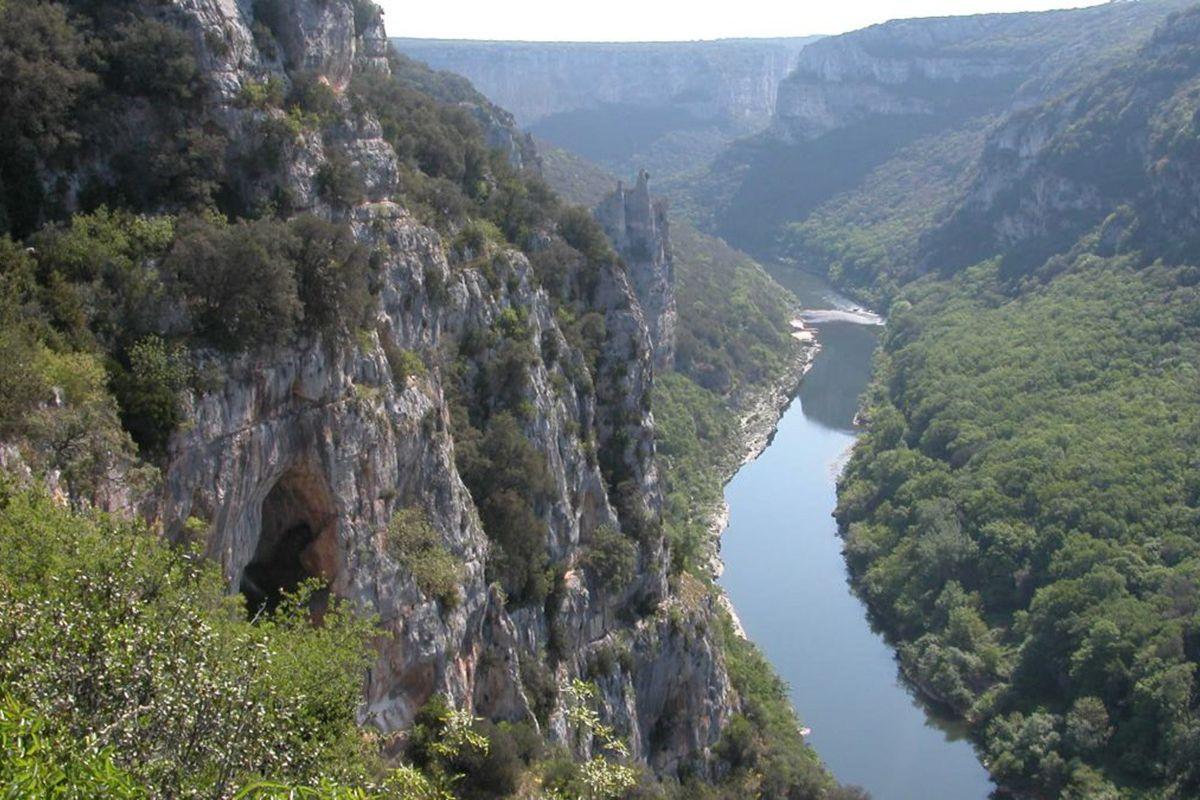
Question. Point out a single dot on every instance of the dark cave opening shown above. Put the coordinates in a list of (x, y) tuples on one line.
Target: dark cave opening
[(270, 575), (296, 543)]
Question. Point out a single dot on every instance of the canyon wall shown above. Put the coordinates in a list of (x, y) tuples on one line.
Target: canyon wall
[(298, 457), (668, 106)]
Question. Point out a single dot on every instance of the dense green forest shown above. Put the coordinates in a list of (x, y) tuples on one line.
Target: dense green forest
[(1023, 513)]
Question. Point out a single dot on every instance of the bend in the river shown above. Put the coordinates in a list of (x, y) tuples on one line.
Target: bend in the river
[(785, 575)]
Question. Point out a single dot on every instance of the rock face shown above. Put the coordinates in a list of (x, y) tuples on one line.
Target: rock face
[(637, 226), (296, 459), (855, 102), (1051, 172), (953, 66), (732, 79), (669, 105)]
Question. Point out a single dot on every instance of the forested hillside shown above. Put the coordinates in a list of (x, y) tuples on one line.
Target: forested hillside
[(1023, 515), (876, 130)]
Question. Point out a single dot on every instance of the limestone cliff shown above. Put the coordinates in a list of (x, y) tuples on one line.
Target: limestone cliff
[(948, 67), (297, 455), (669, 105), (1051, 172), (730, 79), (855, 103), (638, 228)]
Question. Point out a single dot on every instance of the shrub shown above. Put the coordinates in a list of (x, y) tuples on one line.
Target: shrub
[(339, 181), (108, 285), (152, 58), (188, 698), (581, 231), (417, 547), (148, 391), (238, 281), (508, 478), (332, 272), (312, 94), (611, 557), (402, 362), (38, 760), (43, 77), (477, 237), (262, 94)]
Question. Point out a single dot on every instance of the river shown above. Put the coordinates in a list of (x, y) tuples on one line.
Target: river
[(787, 579)]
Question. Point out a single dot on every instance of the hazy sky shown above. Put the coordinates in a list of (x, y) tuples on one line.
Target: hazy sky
[(656, 20)]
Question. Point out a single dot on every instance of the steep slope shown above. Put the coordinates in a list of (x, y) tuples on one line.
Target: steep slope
[(353, 344), (667, 106), (1022, 515), (1037, 187), (735, 365), (863, 106)]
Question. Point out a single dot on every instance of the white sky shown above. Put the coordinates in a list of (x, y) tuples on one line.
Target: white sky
[(663, 20)]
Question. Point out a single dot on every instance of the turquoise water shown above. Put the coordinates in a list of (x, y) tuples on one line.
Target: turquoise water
[(786, 577)]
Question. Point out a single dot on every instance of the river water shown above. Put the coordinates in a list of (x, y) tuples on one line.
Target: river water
[(787, 579)]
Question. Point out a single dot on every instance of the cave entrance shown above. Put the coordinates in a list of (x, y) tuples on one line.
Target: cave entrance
[(296, 542)]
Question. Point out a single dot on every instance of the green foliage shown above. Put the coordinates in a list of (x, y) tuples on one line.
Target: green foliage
[(262, 94), (238, 280), (333, 275), (581, 231), (417, 547), (403, 363), (450, 176), (508, 480), (153, 59), (149, 390), (1022, 513), (70, 83), (339, 181), (136, 293), (101, 277), (38, 761), (693, 427), (43, 78), (611, 557), (256, 283), (733, 318), (604, 776), (135, 653), (313, 96), (867, 239), (56, 406), (480, 760), (478, 236)]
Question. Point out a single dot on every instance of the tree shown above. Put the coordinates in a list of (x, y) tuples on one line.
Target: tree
[(611, 557), (238, 280), (332, 271)]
